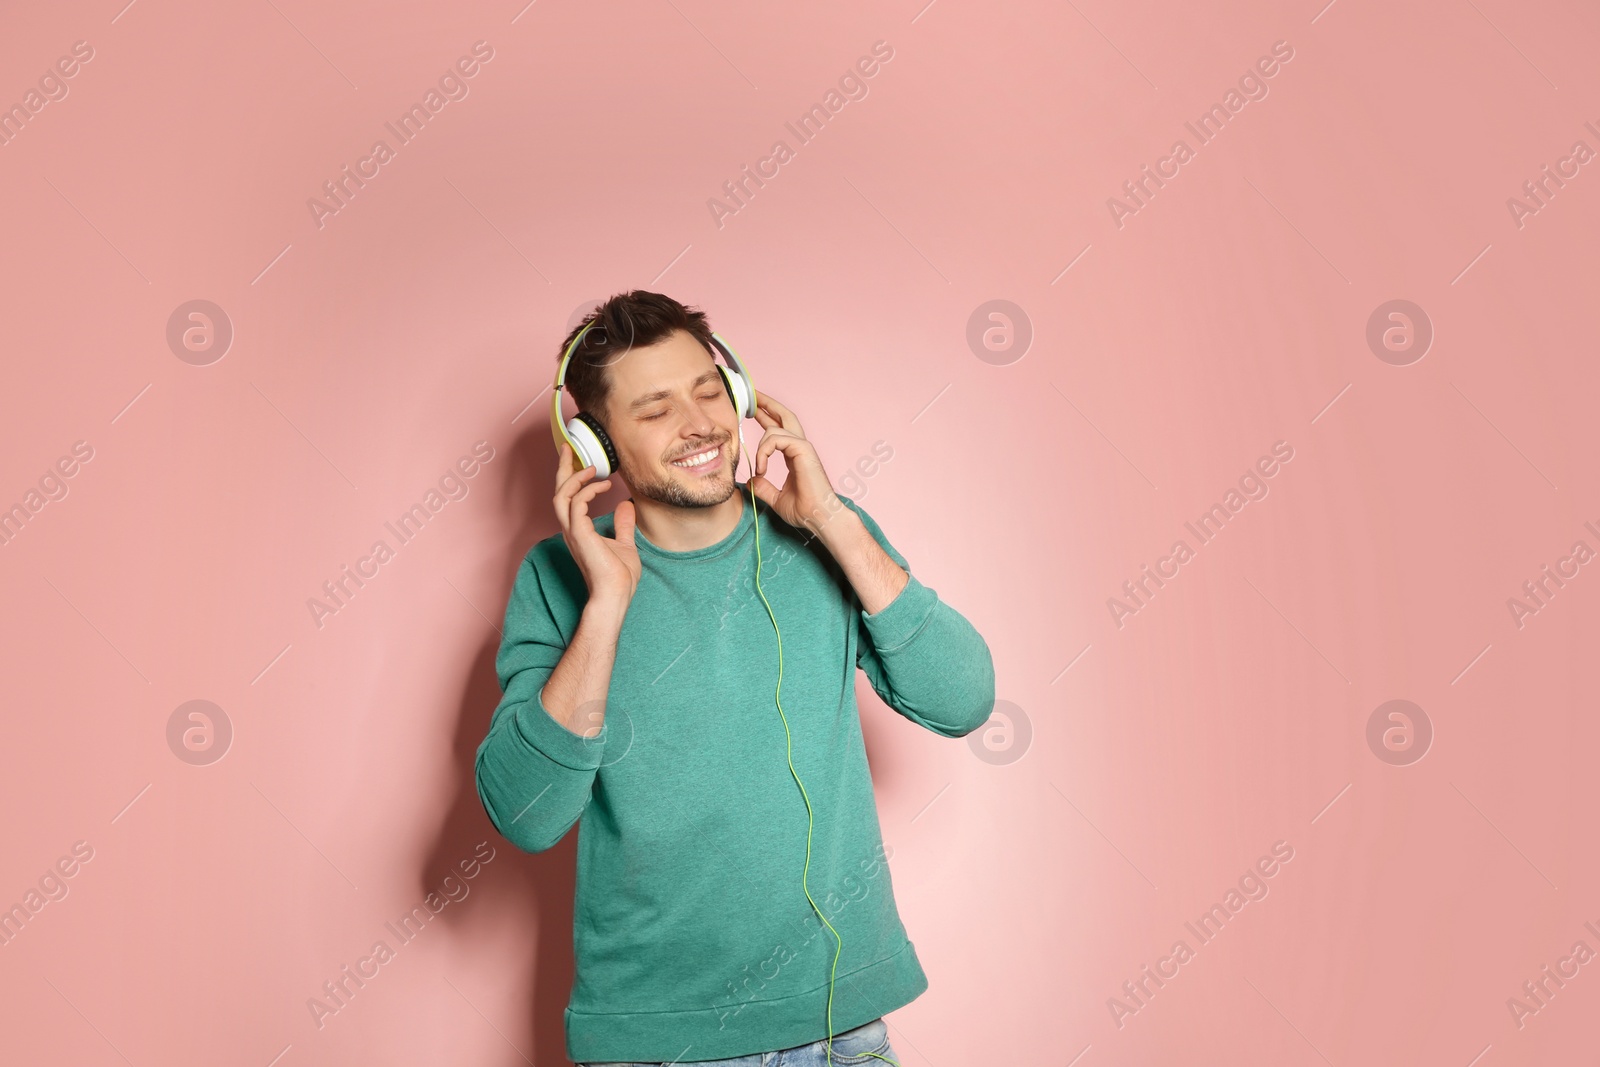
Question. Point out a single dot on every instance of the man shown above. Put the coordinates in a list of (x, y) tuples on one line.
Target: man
[(642, 701)]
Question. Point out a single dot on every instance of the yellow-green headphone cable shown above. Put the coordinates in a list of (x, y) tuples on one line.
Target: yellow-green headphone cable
[(810, 817)]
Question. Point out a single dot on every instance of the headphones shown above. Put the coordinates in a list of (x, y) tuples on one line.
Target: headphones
[(591, 447)]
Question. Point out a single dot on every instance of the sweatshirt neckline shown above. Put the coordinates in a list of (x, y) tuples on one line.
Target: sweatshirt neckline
[(711, 551)]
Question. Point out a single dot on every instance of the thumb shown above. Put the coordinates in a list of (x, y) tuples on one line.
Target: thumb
[(624, 523), (763, 489)]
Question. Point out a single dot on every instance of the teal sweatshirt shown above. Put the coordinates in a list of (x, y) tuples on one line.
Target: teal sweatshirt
[(692, 933)]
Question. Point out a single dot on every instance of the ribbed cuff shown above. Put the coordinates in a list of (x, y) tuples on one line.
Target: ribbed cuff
[(904, 618), (540, 730)]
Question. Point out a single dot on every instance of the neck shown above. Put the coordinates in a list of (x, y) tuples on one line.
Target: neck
[(678, 529)]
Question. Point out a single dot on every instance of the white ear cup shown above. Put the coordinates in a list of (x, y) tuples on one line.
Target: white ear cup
[(743, 402), (590, 451)]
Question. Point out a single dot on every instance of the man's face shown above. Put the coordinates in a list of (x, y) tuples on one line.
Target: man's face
[(667, 406)]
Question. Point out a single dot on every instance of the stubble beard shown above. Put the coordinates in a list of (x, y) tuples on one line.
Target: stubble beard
[(703, 493)]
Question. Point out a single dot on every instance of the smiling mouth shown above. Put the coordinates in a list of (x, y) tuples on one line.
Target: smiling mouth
[(697, 460)]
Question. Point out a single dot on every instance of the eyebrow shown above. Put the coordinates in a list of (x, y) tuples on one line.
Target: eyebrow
[(651, 398)]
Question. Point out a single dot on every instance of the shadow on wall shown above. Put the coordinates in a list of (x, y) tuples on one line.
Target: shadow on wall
[(520, 899)]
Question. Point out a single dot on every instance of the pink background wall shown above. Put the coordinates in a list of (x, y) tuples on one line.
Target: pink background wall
[(1139, 765)]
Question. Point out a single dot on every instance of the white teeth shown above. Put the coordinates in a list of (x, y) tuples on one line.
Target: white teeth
[(702, 458)]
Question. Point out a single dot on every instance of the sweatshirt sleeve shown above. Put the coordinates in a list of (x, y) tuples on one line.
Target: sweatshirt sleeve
[(534, 776), (922, 656)]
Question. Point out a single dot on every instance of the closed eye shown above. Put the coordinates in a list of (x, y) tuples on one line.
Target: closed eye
[(703, 396)]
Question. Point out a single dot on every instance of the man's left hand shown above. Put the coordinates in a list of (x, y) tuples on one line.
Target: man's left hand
[(807, 500)]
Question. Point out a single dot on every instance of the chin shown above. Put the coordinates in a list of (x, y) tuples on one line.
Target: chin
[(668, 485), (702, 492)]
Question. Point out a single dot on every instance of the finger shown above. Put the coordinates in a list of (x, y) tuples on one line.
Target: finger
[(580, 521), (568, 465), (625, 527), (764, 446), (786, 418), (569, 485), (567, 478), (764, 489), (591, 489), (778, 440), (562, 501)]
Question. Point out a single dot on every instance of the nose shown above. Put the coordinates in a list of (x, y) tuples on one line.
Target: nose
[(696, 423)]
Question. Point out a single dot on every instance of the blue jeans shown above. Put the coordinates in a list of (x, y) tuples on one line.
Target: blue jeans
[(850, 1049)]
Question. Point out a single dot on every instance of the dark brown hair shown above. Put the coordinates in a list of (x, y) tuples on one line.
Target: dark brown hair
[(628, 320)]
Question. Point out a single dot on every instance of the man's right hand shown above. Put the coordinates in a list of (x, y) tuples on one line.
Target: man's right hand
[(610, 565)]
